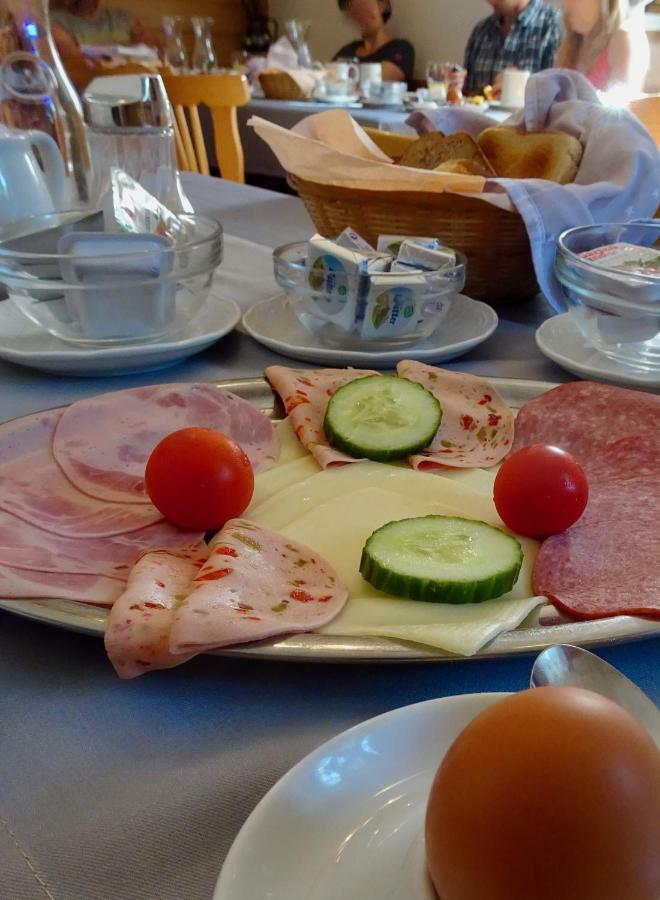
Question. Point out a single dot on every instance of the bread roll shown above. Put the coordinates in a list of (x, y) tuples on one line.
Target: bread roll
[(553, 155), (434, 149)]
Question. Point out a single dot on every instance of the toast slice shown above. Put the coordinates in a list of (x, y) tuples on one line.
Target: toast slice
[(433, 153), (552, 155), (465, 167)]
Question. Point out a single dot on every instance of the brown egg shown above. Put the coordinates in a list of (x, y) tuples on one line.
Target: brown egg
[(550, 794)]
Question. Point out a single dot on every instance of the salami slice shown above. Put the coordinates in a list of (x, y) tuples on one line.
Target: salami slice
[(582, 417), (102, 443), (34, 488), (305, 394), (25, 584), (138, 631), (255, 584), (607, 563), (477, 425), (25, 546)]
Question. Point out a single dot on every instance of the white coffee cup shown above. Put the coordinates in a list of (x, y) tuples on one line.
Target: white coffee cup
[(342, 76), (513, 87), (371, 73), (27, 189)]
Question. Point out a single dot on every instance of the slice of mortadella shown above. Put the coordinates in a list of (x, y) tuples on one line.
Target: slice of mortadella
[(34, 488), (103, 443), (305, 394), (137, 636), (25, 546), (477, 425), (255, 584), (607, 563), (29, 584)]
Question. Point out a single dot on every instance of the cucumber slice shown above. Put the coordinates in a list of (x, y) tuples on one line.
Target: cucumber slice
[(441, 559), (382, 418)]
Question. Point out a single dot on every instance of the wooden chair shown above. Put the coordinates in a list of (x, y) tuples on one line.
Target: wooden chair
[(647, 110), (222, 94)]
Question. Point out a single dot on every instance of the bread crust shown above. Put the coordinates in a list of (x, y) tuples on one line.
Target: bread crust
[(514, 153)]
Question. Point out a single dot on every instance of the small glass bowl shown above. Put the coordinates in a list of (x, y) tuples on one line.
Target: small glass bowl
[(125, 297), (365, 311), (617, 311)]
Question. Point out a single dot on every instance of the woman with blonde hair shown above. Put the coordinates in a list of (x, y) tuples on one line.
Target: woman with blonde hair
[(606, 41)]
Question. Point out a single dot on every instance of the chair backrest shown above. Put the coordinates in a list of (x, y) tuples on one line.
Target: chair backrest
[(647, 110), (222, 94)]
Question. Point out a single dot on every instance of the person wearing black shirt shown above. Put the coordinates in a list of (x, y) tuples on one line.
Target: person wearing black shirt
[(376, 43)]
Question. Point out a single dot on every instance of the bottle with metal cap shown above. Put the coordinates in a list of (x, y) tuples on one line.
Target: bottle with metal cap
[(130, 127)]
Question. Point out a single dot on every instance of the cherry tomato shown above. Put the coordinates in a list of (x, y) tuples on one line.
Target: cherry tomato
[(540, 490), (199, 478)]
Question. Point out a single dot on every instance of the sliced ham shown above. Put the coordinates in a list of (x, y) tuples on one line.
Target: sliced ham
[(582, 417), (25, 546), (477, 425), (607, 563), (305, 394), (102, 443), (25, 584), (34, 488), (138, 631), (255, 584)]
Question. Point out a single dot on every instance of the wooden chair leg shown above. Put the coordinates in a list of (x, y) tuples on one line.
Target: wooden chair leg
[(198, 139), (180, 116)]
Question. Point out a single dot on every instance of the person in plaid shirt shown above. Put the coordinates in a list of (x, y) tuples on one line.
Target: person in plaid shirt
[(523, 34)]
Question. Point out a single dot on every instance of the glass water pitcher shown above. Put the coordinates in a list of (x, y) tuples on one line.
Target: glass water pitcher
[(35, 92), (174, 50), (203, 58)]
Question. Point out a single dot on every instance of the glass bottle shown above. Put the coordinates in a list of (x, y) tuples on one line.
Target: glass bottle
[(175, 51), (35, 92), (203, 57)]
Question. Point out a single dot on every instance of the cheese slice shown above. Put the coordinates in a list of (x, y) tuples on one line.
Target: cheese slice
[(337, 526), (290, 446), (281, 476)]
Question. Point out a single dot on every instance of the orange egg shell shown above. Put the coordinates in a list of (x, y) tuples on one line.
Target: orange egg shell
[(550, 794)]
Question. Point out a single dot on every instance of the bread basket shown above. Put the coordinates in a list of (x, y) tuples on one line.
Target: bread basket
[(279, 85), (494, 240)]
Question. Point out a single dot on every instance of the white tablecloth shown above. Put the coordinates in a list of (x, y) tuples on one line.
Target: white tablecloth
[(114, 790)]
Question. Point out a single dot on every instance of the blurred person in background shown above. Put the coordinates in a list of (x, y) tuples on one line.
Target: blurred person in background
[(606, 41), (377, 44), (521, 34), (76, 23)]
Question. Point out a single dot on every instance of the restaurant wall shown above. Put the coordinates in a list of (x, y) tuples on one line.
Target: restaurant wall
[(228, 27)]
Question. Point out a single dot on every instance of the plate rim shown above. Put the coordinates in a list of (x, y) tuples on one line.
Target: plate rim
[(364, 356), (623, 376), (330, 648), (429, 707)]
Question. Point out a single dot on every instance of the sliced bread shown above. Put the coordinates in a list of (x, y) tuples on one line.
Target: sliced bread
[(553, 155)]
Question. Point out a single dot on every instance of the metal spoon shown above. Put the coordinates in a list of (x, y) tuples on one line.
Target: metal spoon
[(565, 664)]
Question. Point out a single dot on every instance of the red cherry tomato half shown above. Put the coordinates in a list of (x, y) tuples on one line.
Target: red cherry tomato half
[(199, 478), (540, 490)]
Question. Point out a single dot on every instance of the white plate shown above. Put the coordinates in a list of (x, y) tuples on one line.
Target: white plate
[(561, 341), (274, 324), (23, 342), (347, 821), (527, 638), (352, 100)]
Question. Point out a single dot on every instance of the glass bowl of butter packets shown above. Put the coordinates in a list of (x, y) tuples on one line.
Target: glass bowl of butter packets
[(610, 275), (352, 295)]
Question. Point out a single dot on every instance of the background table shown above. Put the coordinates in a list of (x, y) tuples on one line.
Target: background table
[(114, 790), (260, 159)]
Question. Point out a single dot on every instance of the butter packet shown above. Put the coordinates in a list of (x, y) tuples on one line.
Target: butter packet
[(391, 243), (392, 310), (414, 253), (630, 258), (352, 241)]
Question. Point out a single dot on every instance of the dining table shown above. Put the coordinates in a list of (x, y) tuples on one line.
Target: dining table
[(135, 790)]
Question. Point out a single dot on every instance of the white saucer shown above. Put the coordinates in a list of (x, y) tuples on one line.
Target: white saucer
[(347, 821), (560, 340), (345, 100), (23, 342), (274, 324)]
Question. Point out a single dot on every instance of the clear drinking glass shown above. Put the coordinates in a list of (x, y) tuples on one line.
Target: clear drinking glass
[(203, 56), (175, 51), (437, 76), (297, 31)]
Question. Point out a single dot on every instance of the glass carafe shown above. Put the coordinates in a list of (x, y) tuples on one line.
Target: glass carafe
[(35, 92), (174, 50), (203, 57), (297, 31)]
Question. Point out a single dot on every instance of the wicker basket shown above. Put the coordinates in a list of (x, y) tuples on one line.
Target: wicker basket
[(281, 86), (495, 242)]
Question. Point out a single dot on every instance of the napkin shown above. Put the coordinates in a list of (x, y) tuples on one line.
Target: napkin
[(281, 55), (618, 179)]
